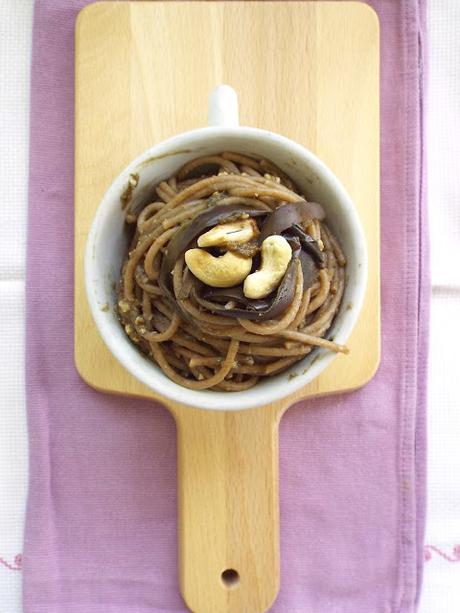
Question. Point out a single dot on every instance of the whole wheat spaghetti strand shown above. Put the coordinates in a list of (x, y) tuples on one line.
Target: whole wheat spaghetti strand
[(157, 337), (204, 317), (172, 182), (265, 369), (323, 319), (176, 361), (204, 339), (163, 307), (155, 222), (169, 222), (321, 296), (200, 361), (147, 212), (167, 189), (143, 282), (240, 334), (302, 312), (312, 230), (146, 307), (242, 160), (223, 163), (269, 182), (134, 258), (195, 346), (196, 385), (205, 187), (308, 339), (233, 386), (247, 170), (164, 194), (252, 202), (257, 350), (335, 246), (271, 168), (154, 250), (264, 192)]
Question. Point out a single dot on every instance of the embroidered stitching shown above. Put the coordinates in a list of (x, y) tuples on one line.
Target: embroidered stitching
[(430, 549), (15, 565), (427, 552)]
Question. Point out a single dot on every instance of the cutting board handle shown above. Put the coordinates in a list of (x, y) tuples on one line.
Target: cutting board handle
[(228, 509)]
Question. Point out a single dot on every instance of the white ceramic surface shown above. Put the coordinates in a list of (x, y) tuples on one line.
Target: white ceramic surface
[(107, 244)]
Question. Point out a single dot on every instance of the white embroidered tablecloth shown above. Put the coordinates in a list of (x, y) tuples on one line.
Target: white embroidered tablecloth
[(441, 592)]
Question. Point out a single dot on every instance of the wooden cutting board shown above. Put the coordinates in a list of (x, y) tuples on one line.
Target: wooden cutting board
[(307, 70)]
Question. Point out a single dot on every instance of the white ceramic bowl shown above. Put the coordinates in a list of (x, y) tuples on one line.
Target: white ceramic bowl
[(107, 244)]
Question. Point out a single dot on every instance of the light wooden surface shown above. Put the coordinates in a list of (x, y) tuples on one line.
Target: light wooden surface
[(306, 70), (228, 493)]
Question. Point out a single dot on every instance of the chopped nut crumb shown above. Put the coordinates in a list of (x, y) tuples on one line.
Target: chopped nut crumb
[(124, 306)]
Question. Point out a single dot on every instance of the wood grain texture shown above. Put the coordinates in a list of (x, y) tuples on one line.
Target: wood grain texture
[(228, 497), (307, 70)]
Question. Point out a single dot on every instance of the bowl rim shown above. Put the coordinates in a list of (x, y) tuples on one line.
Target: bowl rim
[(150, 375)]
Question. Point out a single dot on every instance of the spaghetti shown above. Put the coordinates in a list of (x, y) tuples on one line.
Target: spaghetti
[(208, 337)]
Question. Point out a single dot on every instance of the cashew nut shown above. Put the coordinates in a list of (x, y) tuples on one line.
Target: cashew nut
[(240, 231), (225, 271), (276, 255)]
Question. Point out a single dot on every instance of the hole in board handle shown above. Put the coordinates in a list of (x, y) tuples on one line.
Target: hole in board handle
[(230, 577)]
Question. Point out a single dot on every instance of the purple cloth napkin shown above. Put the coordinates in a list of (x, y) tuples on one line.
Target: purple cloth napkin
[(101, 519)]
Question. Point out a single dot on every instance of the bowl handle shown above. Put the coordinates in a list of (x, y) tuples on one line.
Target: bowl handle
[(223, 107), (228, 508)]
